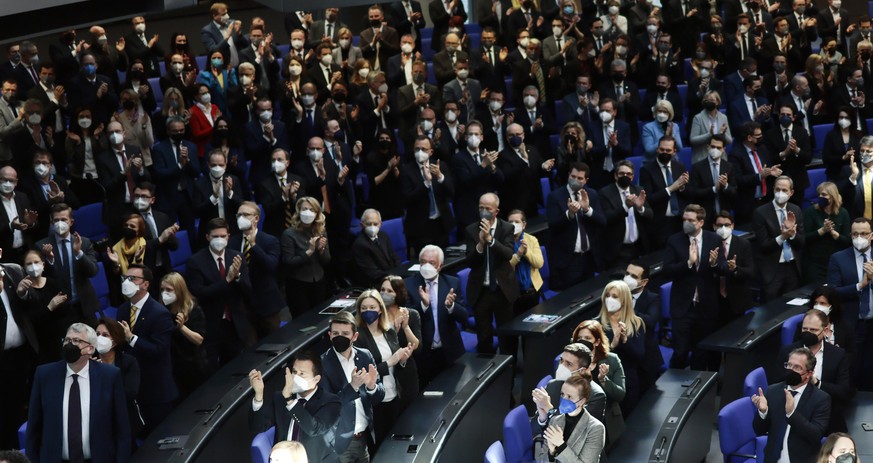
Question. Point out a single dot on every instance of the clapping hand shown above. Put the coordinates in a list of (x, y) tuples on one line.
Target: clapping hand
[(761, 402)]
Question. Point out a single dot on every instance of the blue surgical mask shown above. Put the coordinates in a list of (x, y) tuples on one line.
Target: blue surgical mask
[(217, 62), (369, 316), (566, 406), (569, 10), (90, 69)]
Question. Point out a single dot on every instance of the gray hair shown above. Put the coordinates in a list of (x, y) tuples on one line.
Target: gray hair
[(371, 211), (173, 119), (787, 179), (432, 248), (618, 63), (81, 328), (532, 88), (246, 66), (867, 140)]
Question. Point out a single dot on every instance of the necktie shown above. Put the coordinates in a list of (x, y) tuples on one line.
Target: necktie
[(133, 316), (866, 295), (437, 341), (713, 166), (222, 272), (330, 30), (631, 220), (760, 168), (289, 207), (754, 107), (492, 277), (142, 38), (599, 44), (67, 258), (310, 124), (541, 80), (129, 175), (583, 235), (867, 186), (674, 200), (33, 75), (619, 90), (295, 426), (787, 137), (74, 423), (696, 267), (722, 281), (527, 16), (247, 251), (744, 48), (432, 213), (786, 248), (491, 55)]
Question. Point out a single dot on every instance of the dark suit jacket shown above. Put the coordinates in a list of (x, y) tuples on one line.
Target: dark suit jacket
[(333, 379), (521, 187), (136, 50), (652, 180), (13, 273), (793, 165), (564, 231), (389, 44), (616, 219), (154, 329), (22, 202), (373, 261), (266, 299), (843, 276), (109, 428), (215, 293), (114, 182), (440, 18), (315, 418), (747, 180), (808, 423), (84, 268), (599, 177), (213, 39), (472, 181), (738, 112), (537, 137), (316, 76), (206, 211), (259, 150), (403, 24), (269, 195), (416, 197), (700, 187), (491, 74), (450, 335), (739, 282), (81, 93), (443, 69), (500, 252), (702, 277), (767, 227), (835, 380), (410, 112), (154, 247), (175, 184), (40, 202)]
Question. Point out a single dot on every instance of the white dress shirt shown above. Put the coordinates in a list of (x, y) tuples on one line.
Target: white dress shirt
[(84, 381), (12, 214), (14, 337), (348, 366)]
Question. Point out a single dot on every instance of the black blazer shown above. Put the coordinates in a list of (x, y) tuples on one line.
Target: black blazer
[(154, 329), (83, 269), (373, 261), (794, 165), (155, 248), (114, 182), (703, 278), (739, 282), (22, 202), (175, 184), (564, 231), (206, 211), (500, 251), (616, 219), (13, 273), (265, 299), (767, 227), (269, 195), (403, 24), (315, 418), (259, 150), (440, 19), (40, 202), (747, 180), (473, 181), (416, 197), (652, 180), (700, 187), (521, 187), (450, 334), (81, 93), (136, 50), (808, 423)]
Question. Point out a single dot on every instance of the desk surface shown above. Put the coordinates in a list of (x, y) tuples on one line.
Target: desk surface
[(860, 410)]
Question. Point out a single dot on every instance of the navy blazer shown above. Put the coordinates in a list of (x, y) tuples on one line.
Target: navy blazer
[(259, 150), (808, 423), (616, 219), (564, 231), (154, 329), (702, 277), (175, 184), (747, 179), (213, 40), (738, 112), (215, 293), (599, 177), (652, 180), (450, 335), (700, 185), (84, 268), (266, 299), (472, 181), (373, 261), (109, 427), (333, 378), (315, 418), (843, 276)]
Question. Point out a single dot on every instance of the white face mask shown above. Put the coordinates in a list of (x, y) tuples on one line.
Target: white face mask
[(206, 99), (300, 385), (168, 297), (421, 156), (823, 308), (364, 72), (743, 28), (428, 271), (844, 123), (41, 170), (530, 101), (557, 31), (279, 167), (523, 43), (631, 282), (613, 10), (613, 305), (177, 67), (406, 48), (327, 60), (621, 50), (7, 187), (315, 155), (517, 228), (102, 39), (295, 70), (606, 116), (139, 28), (344, 43), (371, 231), (781, 197), (141, 204), (383, 88), (245, 80), (116, 138), (243, 223), (266, 116), (34, 270), (84, 122), (562, 373), (715, 154), (860, 243), (651, 29), (129, 288), (297, 44), (837, 4), (724, 232), (62, 228), (495, 105), (426, 125), (662, 117), (473, 141), (104, 345), (216, 172), (218, 244), (451, 116), (307, 216), (307, 99)]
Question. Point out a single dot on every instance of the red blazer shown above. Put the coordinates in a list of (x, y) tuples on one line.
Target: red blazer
[(201, 129)]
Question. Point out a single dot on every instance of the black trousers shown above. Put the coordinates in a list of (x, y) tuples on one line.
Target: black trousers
[(16, 369), (493, 305), (786, 278), (430, 362), (304, 295), (688, 331), (580, 268)]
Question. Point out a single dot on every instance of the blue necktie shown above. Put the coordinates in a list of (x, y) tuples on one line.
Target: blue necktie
[(674, 200), (786, 248), (864, 306), (433, 212)]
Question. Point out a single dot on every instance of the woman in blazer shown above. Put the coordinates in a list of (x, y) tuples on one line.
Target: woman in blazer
[(84, 141), (377, 335), (203, 117), (609, 374), (407, 324), (111, 354), (573, 435), (137, 125), (708, 122), (841, 142), (189, 355), (219, 77), (662, 125), (527, 260), (346, 54), (828, 229), (305, 256)]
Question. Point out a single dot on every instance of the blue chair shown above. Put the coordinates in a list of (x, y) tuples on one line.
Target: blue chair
[(394, 229), (546, 188), (284, 49), (22, 435), (426, 33), (685, 157), (261, 446), (155, 86), (666, 288), (431, 75), (426, 52), (518, 436), (554, 141), (201, 61), (544, 273), (736, 437), (789, 327), (89, 221), (689, 71), (559, 113), (755, 379), (495, 454), (642, 93), (122, 76), (683, 95), (101, 285), (543, 382), (180, 256), (816, 177), (463, 275), (820, 132), (637, 161)]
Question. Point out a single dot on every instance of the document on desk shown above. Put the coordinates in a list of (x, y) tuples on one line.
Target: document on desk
[(542, 318), (798, 301), (414, 268)]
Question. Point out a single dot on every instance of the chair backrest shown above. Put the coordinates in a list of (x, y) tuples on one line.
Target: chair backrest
[(543, 382), (155, 86), (755, 379), (463, 275), (816, 177), (22, 436), (394, 229), (101, 285), (89, 221), (665, 299), (546, 187), (789, 327), (735, 433), (261, 445), (820, 132), (182, 253), (518, 436), (495, 454)]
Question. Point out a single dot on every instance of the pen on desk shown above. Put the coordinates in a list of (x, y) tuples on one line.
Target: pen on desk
[(746, 337)]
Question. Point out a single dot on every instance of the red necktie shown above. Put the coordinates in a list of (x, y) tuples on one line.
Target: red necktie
[(223, 273), (760, 169)]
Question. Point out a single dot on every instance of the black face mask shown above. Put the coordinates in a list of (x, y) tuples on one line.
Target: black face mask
[(588, 344), (570, 139), (339, 97), (664, 158), (128, 105), (808, 339), (220, 133), (623, 182), (128, 233), (845, 458), (71, 353), (618, 78), (661, 89), (135, 75), (792, 378), (341, 343), (709, 105), (384, 145), (375, 23), (178, 137)]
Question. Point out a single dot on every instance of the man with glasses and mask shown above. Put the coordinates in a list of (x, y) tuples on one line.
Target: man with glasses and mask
[(148, 329), (77, 407), (793, 415), (832, 363), (575, 358), (752, 167)]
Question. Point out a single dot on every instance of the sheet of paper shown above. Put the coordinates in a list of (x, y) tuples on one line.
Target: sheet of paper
[(415, 268), (798, 301)]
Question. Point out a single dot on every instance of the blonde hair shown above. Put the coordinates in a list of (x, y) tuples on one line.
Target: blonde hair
[(295, 451), (626, 313), (384, 324), (216, 7), (184, 299), (317, 226), (665, 105), (836, 199)]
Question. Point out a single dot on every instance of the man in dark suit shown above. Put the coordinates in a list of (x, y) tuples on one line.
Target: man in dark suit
[(663, 60), (527, 16), (138, 47), (160, 232), (375, 107), (831, 373), (262, 55), (735, 82), (665, 181), (536, 119), (400, 65), (646, 304), (492, 287), (438, 299), (522, 168), (663, 91), (26, 72), (302, 411), (89, 89), (45, 188), (533, 70), (833, 20), (324, 72), (861, 33), (777, 83), (851, 94), (784, 41), (219, 278), (350, 373), (489, 62), (807, 410), (374, 257), (792, 149), (780, 237), (326, 30), (13, 55), (694, 264), (628, 216), (748, 106), (262, 137), (119, 169), (223, 35), (427, 188), (148, 328), (18, 349), (734, 290), (261, 253), (575, 223), (278, 193), (58, 399), (844, 268), (379, 41), (476, 173), (753, 170), (407, 18), (414, 98), (612, 143), (440, 14), (175, 169), (712, 184), (217, 194), (625, 96), (444, 61), (686, 20), (18, 219)]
